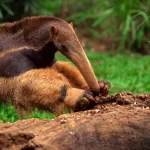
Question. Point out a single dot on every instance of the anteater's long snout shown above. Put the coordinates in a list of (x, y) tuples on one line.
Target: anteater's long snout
[(79, 58)]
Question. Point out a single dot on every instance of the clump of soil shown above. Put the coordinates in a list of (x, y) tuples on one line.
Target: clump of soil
[(126, 99)]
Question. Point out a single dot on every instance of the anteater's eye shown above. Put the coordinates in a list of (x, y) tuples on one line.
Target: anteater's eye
[(64, 48)]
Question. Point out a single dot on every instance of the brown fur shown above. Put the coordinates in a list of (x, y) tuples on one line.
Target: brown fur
[(17, 61), (49, 89), (72, 74), (30, 44), (45, 35), (30, 32)]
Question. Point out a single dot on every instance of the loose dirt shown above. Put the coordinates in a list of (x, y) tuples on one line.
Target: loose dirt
[(126, 99)]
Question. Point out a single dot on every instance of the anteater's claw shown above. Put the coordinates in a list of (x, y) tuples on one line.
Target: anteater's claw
[(104, 87), (81, 105)]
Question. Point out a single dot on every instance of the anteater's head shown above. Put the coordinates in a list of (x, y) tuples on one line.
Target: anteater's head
[(66, 41)]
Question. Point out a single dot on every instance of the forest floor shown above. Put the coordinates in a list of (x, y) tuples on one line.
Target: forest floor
[(117, 118)]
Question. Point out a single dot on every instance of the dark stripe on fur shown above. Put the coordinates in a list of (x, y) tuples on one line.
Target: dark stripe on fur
[(63, 93)]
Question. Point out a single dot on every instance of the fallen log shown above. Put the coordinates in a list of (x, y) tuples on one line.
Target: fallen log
[(109, 126)]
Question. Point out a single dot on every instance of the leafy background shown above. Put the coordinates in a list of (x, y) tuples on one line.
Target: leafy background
[(122, 24), (117, 27)]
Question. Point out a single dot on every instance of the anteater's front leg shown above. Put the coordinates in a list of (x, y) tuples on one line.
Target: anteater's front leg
[(76, 79), (48, 90), (73, 75)]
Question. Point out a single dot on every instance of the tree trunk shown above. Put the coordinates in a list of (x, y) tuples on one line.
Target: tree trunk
[(111, 127)]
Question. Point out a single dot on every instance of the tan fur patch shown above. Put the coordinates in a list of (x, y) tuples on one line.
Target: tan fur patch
[(40, 88)]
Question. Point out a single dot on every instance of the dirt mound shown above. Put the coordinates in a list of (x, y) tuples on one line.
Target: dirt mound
[(126, 99), (121, 121)]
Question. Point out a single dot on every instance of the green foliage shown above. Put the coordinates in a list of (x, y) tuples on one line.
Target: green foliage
[(125, 72), (125, 22), (8, 114), (11, 10), (15, 9), (4, 7)]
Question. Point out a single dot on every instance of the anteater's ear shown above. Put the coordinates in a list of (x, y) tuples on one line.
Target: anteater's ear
[(53, 31), (71, 24)]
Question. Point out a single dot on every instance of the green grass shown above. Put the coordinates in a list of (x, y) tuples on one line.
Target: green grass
[(125, 72)]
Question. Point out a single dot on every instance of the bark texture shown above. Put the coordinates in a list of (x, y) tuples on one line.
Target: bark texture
[(108, 126)]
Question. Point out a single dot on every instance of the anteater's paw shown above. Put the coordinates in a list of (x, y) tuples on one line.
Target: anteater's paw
[(104, 87), (82, 104), (85, 102)]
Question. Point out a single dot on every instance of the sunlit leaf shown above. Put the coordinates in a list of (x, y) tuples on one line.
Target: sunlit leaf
[(7, 9)]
